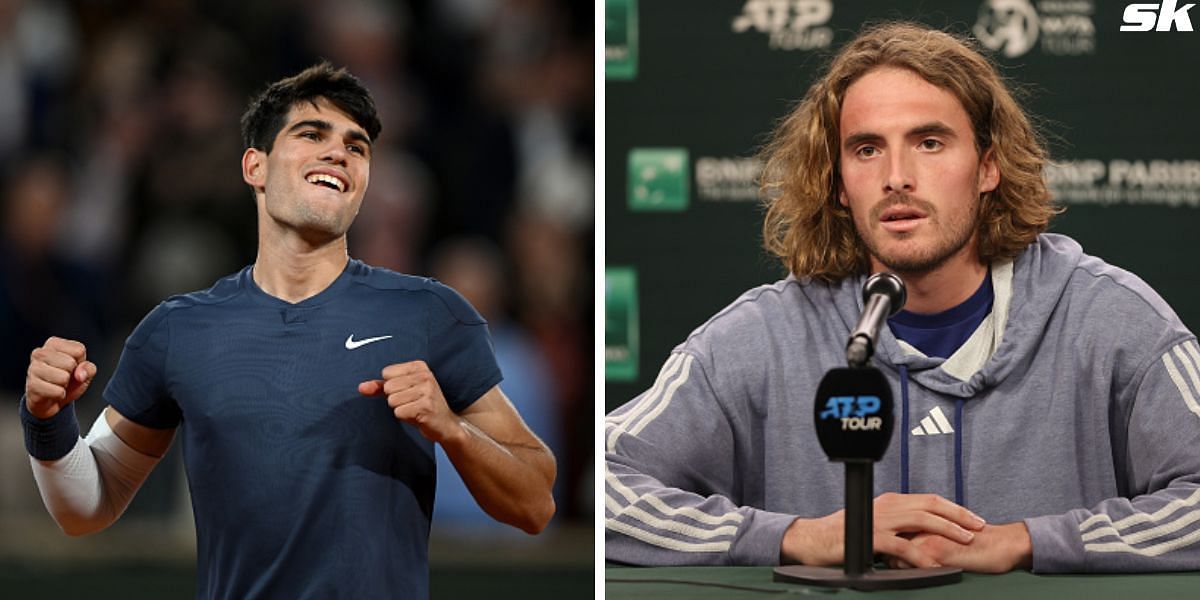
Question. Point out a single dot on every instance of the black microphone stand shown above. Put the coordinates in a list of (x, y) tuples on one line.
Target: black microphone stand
[(859, 444)]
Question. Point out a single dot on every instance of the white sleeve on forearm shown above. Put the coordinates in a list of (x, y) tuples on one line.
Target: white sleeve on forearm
[(86, 490)]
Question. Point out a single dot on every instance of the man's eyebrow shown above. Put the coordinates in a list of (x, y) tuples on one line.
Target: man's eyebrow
[(314, 123), (930, 128), (354, 134), (859, 138), (358, 135)]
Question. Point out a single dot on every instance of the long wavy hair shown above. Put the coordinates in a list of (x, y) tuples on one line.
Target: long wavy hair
[(814, 235)]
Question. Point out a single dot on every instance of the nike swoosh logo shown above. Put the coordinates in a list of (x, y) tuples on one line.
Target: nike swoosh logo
[(351, 343)]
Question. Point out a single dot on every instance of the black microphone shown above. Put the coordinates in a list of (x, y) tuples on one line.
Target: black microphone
[(853, 419), (883, 296)]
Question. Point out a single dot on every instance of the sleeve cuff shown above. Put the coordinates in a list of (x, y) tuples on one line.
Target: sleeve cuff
[(53, 438), (1057, 546), (759, 541)]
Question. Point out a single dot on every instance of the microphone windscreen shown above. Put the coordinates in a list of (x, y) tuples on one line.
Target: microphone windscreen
[(890, 285)]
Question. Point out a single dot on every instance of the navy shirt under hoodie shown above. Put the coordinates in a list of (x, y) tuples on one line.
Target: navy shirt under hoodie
[(302, 487), (940, 334)]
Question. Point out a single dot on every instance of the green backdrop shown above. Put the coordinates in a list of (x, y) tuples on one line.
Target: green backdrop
[(694, 87)]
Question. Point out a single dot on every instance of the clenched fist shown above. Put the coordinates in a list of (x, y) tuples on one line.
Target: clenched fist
[(59, 373), (416, 398)]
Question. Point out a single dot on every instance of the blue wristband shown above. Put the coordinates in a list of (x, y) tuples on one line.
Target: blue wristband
[(53, 438)]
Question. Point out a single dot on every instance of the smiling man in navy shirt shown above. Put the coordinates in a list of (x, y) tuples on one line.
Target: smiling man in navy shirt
[(309, 388)]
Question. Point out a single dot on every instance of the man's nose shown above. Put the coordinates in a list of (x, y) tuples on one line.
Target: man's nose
[(900, 178), (334, 153)]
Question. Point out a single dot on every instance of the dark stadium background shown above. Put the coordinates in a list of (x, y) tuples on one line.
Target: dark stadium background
[(120, 185)]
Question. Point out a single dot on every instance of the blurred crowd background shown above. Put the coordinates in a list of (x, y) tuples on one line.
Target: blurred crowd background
[(120, 185)]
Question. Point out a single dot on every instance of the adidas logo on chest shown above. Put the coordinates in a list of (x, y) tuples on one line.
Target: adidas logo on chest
[(934, 423)]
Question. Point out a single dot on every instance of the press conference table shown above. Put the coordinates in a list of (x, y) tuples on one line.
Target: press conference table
[(756, 582)]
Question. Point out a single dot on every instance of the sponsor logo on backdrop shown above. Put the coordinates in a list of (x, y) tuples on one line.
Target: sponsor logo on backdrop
[(727, 178), (1009, 27), (1056, 27), (658, 179), (620, 324), (620, 39), (1125, 181), (788, 24), (1159, 17)]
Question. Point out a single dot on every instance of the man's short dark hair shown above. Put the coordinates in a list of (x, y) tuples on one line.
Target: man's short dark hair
[(268, 110)]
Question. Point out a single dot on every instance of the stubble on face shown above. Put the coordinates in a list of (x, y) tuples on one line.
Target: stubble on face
[(313, 220), (956, 234)]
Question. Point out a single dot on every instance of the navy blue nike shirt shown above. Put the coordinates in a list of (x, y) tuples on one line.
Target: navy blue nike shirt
[(302, 487)]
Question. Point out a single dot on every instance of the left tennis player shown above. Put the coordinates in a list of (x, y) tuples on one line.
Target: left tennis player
[(309, 388)]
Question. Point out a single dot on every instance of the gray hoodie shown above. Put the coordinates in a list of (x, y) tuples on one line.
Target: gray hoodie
[(1073, 407)]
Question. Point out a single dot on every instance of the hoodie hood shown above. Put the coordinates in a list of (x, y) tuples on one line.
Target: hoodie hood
[(1039, 277)]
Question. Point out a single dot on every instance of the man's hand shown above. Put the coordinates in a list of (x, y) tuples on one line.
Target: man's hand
[(995, 549), (507, 469), (821, 542), (59, 373), (416, 398)]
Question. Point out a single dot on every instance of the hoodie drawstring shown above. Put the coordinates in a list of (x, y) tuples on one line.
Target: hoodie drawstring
[(903, 429), (958, 474)]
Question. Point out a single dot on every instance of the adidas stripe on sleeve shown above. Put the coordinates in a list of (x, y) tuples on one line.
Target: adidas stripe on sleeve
[(675, 436), (1157, 528)]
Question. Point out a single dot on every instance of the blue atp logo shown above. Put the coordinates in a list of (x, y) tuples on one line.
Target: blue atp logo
[(840, 407), (855, 412)]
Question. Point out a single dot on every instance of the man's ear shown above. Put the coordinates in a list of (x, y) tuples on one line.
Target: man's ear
[(989, 171), (254, 168)]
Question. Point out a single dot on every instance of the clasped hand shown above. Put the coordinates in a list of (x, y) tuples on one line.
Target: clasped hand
[(914, 530)]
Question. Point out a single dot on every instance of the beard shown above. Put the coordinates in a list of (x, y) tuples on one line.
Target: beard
[(315, 219), (307, 218), (951, 236)]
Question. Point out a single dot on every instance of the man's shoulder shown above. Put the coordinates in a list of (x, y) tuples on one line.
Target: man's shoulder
[(223, 291), (414, 288), (381, 278), (226, 289), (1105, 287), (768, 308), (1121, 290)]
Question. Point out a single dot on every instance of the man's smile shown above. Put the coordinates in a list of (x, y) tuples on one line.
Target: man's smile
[(329, 178)]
